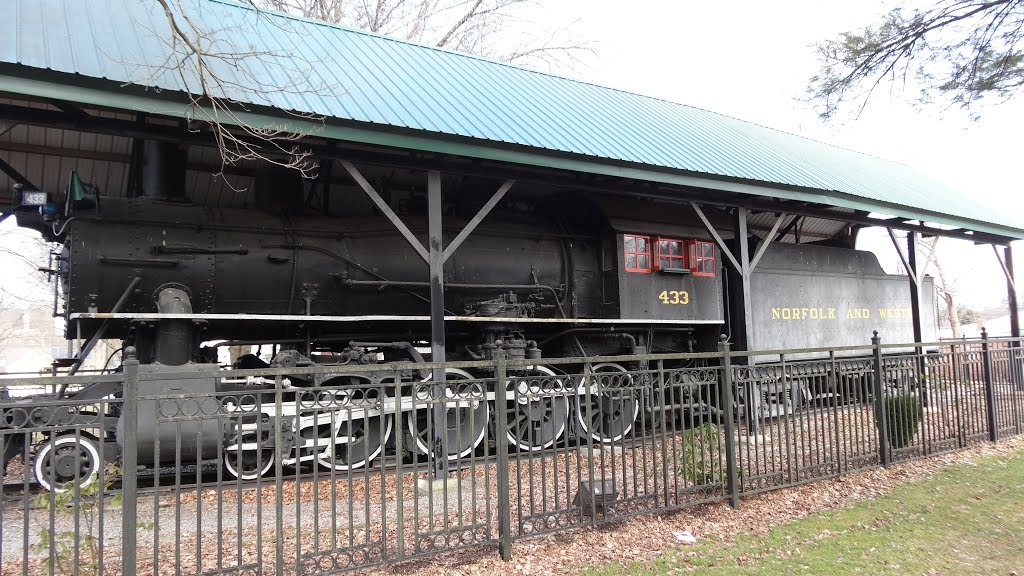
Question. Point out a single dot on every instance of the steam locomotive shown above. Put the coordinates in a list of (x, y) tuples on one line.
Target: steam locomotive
[(550, 272)]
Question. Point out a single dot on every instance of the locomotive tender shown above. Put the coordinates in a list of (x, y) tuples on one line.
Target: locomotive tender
[(551, 272)]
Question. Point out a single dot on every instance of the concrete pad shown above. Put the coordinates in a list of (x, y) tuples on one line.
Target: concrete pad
[(431, 486), (762, 439), (599, 451)]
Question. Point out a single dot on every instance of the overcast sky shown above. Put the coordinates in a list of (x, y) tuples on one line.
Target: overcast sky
[(752, 60)]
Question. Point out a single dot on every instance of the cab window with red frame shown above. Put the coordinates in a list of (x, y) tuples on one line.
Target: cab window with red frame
[(669, 255), (702, 258), (637, 252)]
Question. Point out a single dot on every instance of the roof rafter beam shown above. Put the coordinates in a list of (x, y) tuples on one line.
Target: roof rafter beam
[(16, 176), (69, 108), (480, 215), (850, 218), (383, 207), (718, 238), (1006, 270), (789, 228), (763, 245), (903, 258)]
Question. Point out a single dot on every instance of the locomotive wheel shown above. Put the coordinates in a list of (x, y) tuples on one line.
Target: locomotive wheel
[(65, 461), (248, 464), (465, 421), (356, 443), (612, 410), (537, 409)]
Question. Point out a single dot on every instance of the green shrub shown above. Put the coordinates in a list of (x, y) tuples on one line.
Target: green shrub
[(702, 459), (903, 416)]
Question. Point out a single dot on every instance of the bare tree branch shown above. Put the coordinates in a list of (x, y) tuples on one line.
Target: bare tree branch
[(479, 27), (959, 50), (203, 58)]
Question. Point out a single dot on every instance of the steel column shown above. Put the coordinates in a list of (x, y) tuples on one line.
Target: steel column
[(435, 242), (915, 286), (743, 330), (743, 255), (1011, 292), (914, 273), (1017, 371)]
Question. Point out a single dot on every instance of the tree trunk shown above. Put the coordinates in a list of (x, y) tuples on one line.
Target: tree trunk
[(948, 296)]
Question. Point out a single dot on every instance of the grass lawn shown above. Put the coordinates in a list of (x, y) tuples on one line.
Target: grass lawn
[(967, 519)]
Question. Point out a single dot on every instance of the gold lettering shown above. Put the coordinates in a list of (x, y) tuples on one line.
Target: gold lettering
[(866, 312), (882, 313), (849, 312), (775, 314), (787, 314), (815, 313), (831, 313)]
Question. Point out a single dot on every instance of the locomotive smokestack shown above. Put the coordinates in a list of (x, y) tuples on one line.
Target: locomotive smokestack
[(174, 337), (163, 170)]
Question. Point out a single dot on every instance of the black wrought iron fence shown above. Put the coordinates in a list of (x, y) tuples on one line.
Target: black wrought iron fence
[(326, 469)]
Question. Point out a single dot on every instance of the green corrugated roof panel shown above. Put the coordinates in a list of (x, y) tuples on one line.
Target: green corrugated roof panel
[(352, 75)]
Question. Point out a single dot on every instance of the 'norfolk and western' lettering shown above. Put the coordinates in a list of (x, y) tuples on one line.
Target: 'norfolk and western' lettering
[(821, 313), (803, 313)]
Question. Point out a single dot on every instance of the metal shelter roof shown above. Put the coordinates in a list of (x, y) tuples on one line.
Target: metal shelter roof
[(381, 90)]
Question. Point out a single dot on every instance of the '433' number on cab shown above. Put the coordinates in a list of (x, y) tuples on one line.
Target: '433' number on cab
[(674, 297)]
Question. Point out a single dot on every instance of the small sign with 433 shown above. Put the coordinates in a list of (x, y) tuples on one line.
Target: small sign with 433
[(674, 297)]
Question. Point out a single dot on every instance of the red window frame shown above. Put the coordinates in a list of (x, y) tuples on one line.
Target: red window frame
[(636, 253), (702, 258), (675, 261)]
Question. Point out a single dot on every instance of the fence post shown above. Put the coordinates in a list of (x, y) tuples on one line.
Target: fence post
[(277, 421), (990, 389), (728, 410), (130, 462), (662, 422), (501, 444), (879, 398)]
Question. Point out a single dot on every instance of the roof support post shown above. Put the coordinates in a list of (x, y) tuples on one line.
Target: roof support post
[(1011, 289), (914, 274), (915, 286), (746, 327), (1017, 370), (383, 207), (743, 328), (1006, 262), (437, 334), (484, 211)]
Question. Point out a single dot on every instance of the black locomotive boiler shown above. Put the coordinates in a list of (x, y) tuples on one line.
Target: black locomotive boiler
[(549, 273)]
